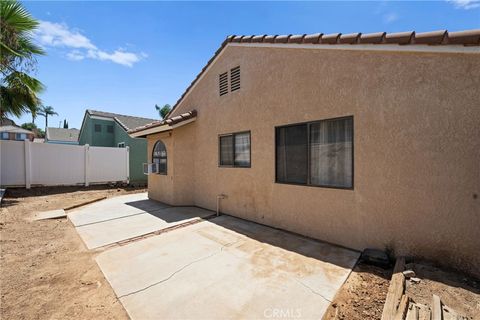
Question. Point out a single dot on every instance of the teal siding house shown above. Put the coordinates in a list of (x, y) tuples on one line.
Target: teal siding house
[(106, 129)]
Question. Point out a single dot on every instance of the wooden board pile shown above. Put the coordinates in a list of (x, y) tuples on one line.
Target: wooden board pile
[(399, 306)]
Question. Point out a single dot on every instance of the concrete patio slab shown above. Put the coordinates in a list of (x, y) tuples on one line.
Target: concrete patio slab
[(51, 214), (226, 268), (113, 208), (125, 217)]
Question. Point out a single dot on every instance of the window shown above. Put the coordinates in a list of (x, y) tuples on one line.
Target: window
[(21, 136), (121, 144), (110, 129), (318, 153), (98, 128), (5, 136), (159, 157), (234, 150)]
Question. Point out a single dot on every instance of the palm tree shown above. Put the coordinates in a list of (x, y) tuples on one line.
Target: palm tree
[(18, 90), (163, 111), (46, 111)]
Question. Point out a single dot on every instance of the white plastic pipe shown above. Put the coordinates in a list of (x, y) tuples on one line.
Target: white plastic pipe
[(219, 197)]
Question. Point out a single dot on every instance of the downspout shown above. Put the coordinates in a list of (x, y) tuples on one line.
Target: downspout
[(219, 197)]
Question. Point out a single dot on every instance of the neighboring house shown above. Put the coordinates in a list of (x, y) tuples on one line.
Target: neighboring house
[(62, 136), (363, 140), (106, 129), (10, 131)]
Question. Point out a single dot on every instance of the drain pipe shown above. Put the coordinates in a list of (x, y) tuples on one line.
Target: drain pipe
[(219, 197)]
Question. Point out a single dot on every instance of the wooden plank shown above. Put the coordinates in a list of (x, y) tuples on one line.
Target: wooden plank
[(84, 203), (395, 290), (436, 308), (402, 308)]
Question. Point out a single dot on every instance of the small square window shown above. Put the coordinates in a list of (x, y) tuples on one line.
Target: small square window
[(5, 136), (110, 129), (234, 150), (98, 128)]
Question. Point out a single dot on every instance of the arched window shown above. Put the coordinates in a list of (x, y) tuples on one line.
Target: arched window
[(160, 157)]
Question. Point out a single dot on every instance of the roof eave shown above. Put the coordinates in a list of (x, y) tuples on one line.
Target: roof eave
[(158, 129)]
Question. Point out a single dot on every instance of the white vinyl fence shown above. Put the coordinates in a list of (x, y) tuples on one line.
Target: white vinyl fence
[(25, 163)]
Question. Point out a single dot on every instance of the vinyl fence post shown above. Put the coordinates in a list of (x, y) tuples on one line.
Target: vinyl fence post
[(128, 164), (87, 163), (28, 164)]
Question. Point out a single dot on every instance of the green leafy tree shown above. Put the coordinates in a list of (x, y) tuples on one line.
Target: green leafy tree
[(18, 90), (163, 111), (33, 127), (46, 111)]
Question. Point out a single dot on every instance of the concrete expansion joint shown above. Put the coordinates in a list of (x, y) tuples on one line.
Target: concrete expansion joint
[(311, 289), (179, 270), (117, 218)]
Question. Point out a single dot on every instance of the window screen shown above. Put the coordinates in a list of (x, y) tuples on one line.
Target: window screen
[(226, 150), (318, 153), (292, 154), (159, 157), (98, 128), (234, 149), (110, 129)]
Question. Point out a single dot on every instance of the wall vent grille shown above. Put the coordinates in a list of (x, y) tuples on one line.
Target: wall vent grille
[(223, 83), (235, 78)]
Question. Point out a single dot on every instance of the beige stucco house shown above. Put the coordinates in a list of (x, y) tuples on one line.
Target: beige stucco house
[(363, 140)]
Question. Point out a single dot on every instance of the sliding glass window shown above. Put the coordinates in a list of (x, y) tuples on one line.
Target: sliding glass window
[(317, 153)]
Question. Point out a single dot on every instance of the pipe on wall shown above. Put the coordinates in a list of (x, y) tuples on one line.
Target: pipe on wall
[(220, 197)]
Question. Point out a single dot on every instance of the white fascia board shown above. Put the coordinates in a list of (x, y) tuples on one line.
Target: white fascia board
[(365, 47)]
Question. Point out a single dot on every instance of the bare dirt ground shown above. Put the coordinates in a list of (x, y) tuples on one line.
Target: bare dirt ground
[(458, 291), (46, 271), (363, 294)]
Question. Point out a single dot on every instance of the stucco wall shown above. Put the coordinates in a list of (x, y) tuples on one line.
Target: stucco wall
[(416, 155)]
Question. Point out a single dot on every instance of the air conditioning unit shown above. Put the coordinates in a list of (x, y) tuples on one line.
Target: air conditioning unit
[(149, 168)]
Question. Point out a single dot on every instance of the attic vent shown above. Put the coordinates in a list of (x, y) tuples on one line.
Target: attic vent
[(223, 83), (235, 78)]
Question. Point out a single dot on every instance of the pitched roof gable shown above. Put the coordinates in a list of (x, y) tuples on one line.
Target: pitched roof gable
[(127, 122), (411, 38)]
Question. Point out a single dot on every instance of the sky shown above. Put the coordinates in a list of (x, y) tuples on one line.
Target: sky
[(125, 57)]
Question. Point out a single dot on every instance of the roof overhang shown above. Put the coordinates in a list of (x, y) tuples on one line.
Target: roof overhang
[(441, 41), (164, 125)]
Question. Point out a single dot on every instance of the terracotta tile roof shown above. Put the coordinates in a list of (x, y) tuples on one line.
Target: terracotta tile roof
[(168, 121), (441, 37)]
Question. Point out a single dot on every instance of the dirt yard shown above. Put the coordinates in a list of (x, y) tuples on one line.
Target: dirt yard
[(363, 294), (46, 271)]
